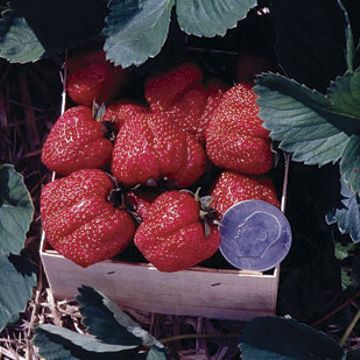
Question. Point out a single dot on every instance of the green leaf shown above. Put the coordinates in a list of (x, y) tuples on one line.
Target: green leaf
[(301, 119), (286, 339), (156, 354), (16, 210), (107, 322), (350, 44), (350, 163), (347, 218), (100, 320), (344, 94), (308, 125), (20, 44), (57, 343), (16, 282), (211, 17), (136, 30)]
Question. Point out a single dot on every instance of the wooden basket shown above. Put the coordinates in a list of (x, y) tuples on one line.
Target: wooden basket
[(205, 292)]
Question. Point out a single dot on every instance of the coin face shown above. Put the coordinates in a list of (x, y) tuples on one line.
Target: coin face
[(255, 235)]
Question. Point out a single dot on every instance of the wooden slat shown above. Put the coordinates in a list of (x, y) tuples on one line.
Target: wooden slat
[(211, 293)]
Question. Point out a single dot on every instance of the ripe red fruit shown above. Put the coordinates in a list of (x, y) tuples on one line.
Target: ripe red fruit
[(150, 146), (186, 112), (91, 77), (76, 141), (172, 237), (231, 188), (163, 90), (235, 137), (78, 220), (147, 147)]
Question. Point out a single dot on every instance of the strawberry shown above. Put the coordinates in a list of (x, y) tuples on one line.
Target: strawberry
[(91, 77), (78, 220), (172, 237), (120, 111), (235, 136), (214, 92), (148, 147), (163, 90), (186, 112), (180, 95), (249, 65), (76, 141), (231, 188), (194, 167)]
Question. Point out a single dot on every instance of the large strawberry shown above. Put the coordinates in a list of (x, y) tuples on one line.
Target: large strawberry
[(231, 188), (186, 112), (172, 237), (79, 221), (235, 136), (76, 141), (163, 90), (91, 77), (149, 146)]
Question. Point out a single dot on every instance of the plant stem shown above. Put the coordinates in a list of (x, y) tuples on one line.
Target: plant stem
[(350, 328), (199, 336)]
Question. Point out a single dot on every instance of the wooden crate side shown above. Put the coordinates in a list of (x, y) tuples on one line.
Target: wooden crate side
[(195, 292)]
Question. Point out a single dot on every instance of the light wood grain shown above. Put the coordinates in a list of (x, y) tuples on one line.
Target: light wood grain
[(211, 293)]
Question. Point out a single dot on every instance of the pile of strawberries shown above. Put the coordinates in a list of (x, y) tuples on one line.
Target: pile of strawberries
[(97, 206)]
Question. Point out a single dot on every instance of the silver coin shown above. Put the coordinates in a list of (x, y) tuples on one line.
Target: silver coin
[(255, 235)]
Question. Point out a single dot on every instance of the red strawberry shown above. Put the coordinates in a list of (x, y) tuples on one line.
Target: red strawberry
[(123, 110), (91, 77), (231, 188), (235, 137), (249, 65), (194, 167), (148, 147), (172, 237), (214, 92), (163, 90), (187, 111), (78, 220), (76, 141)]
